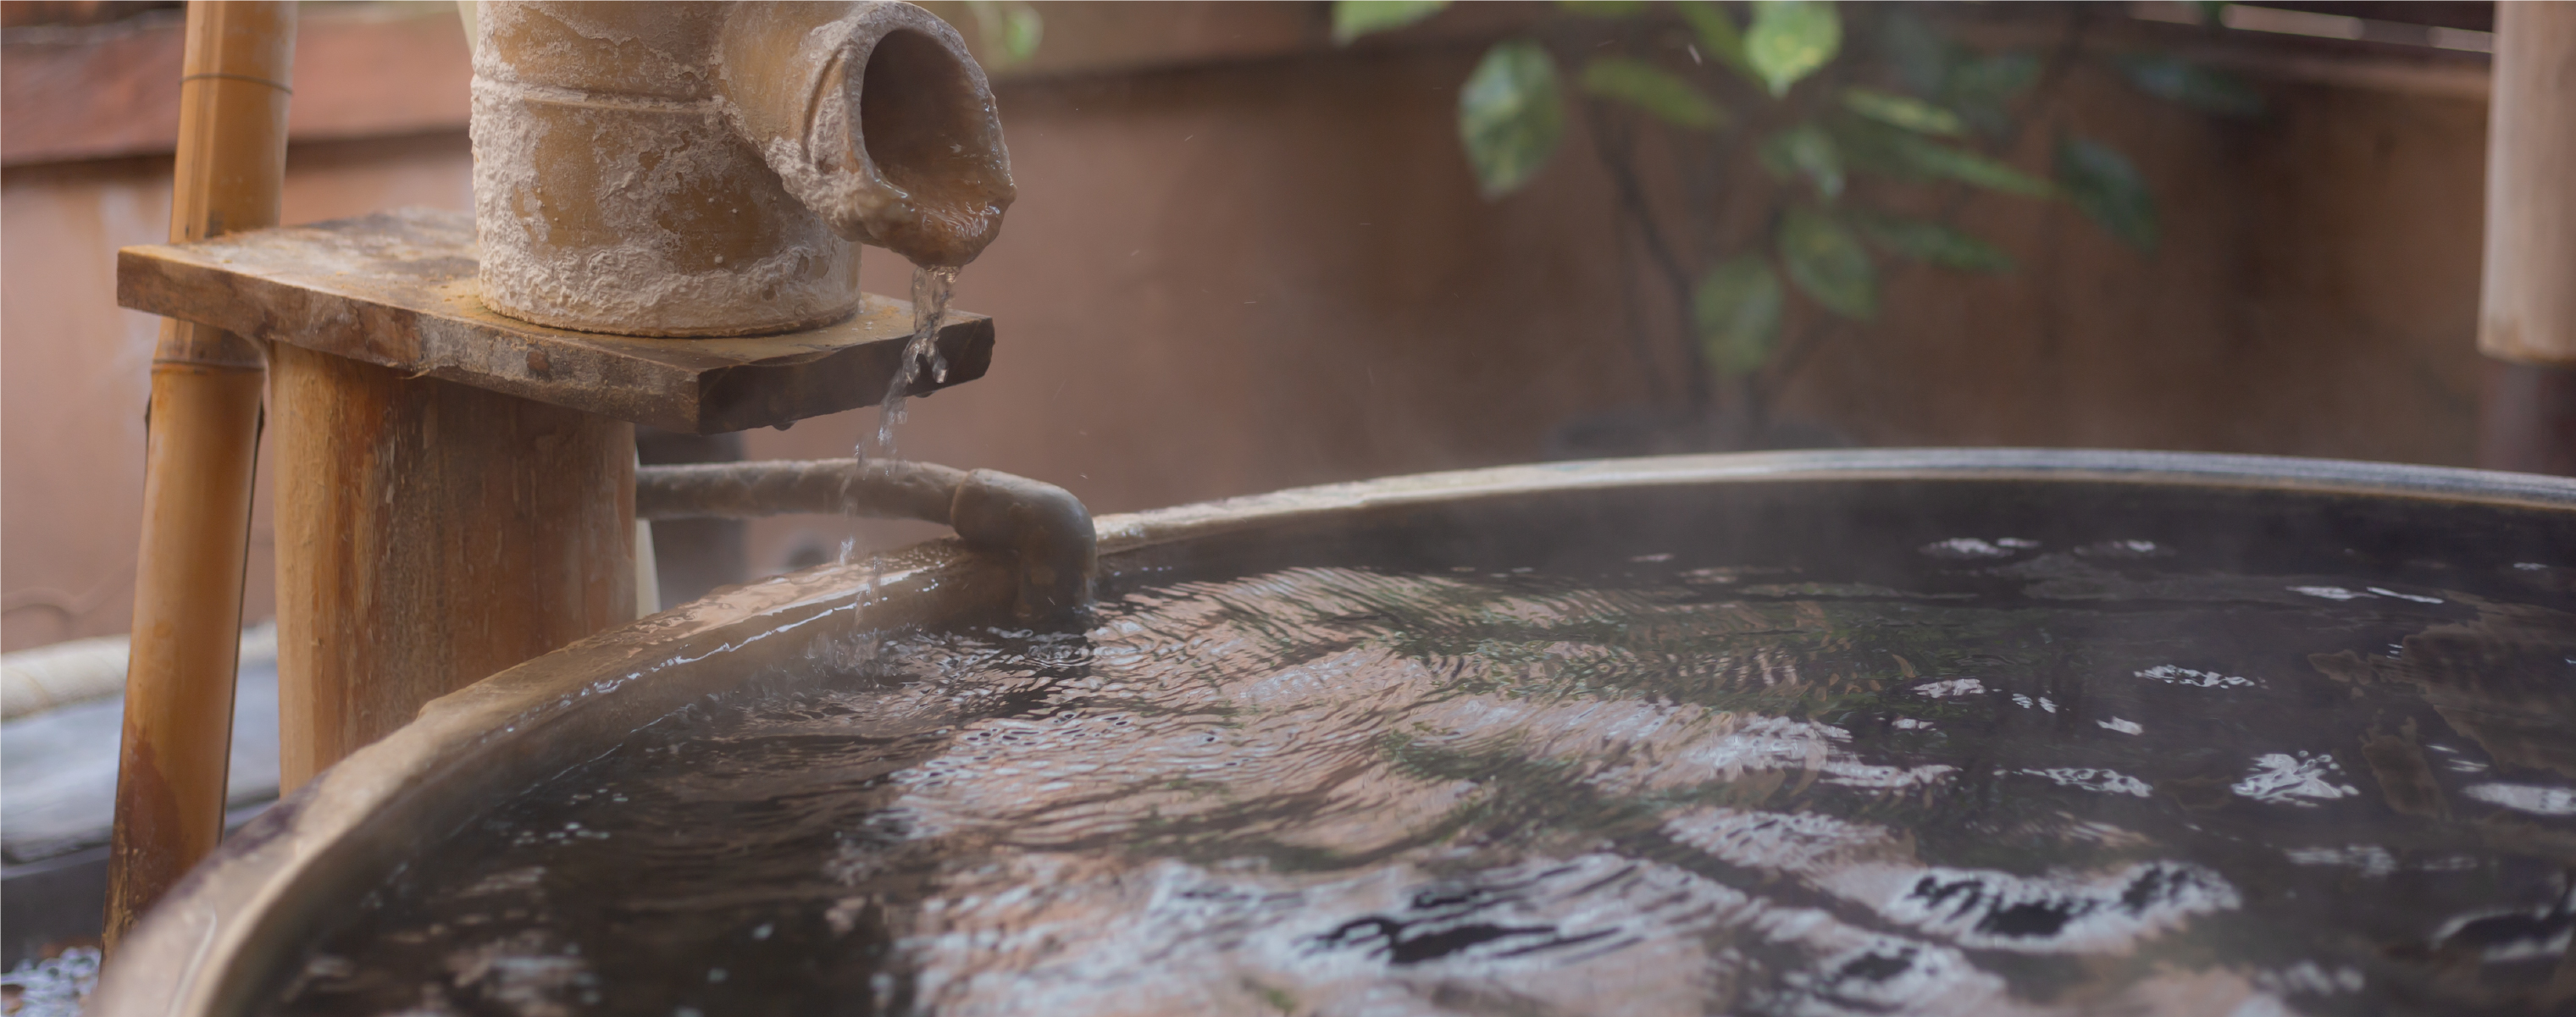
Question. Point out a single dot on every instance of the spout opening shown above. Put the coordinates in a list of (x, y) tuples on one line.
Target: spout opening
[(928, 128)]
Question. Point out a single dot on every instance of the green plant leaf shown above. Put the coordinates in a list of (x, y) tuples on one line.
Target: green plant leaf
[(1901, 111), (2202, 88), (1010, 32), (1970, 168), (1718, 33), (1737, 307), (1790, 39), (1355, 18), (2107, 187), (1872, 147), (1805, 150), (1603, 8), (1511, 115), (1653, 89), (1935, 243), (1876, 147), (1828, 263)]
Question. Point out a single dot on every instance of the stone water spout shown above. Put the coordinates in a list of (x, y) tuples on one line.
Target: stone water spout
[(456, 476), (705, 168)]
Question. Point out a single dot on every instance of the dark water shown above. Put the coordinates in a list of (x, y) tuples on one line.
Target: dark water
[(2036, 779)]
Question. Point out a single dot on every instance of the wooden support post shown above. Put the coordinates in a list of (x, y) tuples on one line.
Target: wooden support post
[(198, 460), (2527, 306), (455, 488), (430, 534)]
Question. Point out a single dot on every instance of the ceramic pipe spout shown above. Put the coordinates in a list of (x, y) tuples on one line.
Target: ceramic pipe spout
[(876, 118), (703, 168)]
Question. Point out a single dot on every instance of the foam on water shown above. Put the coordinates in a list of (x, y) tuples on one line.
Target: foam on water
[(1650, 789), (55, 986)]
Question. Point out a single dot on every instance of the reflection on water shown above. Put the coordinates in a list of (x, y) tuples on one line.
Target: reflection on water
[(2036, 780)]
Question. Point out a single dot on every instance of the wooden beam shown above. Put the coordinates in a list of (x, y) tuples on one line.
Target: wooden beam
[(397, 289), (430, 534)]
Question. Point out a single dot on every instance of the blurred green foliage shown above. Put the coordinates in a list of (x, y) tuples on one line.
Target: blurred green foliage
[(1352, 20), (2101, 181), (1010, 31), (1662, 93), (1828, 263), (1789, 40), (1737, 311), (1937, 243), (1781, 82), (2190, 84), (1511, 114)]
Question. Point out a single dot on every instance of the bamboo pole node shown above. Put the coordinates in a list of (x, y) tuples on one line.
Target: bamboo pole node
[(201, 448)]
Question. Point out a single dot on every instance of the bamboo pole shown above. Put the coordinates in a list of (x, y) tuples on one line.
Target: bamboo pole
[(203, 441), (2527, 302)]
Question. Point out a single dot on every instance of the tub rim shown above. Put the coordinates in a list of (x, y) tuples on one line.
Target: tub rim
[(196, 952)]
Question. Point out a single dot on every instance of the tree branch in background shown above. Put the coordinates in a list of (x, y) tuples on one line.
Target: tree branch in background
[(1614, 155), (1640, 345)]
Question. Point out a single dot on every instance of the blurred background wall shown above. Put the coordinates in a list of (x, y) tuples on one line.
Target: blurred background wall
[(1245, 258)]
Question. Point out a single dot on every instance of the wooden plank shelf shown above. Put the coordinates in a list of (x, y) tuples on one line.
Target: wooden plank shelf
[(397, 289)]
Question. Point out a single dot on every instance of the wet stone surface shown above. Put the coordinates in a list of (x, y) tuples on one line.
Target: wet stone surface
[(2046, 779)]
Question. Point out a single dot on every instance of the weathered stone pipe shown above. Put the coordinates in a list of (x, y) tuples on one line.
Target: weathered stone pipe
[(1044, 528), (705, 168)]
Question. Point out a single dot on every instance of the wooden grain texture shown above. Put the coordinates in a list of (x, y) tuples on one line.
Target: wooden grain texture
[(2527, 305), (397, 289), (430, 534)]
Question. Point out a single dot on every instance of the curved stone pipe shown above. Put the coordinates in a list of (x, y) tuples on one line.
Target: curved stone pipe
[(1044, 528), (704, 168)]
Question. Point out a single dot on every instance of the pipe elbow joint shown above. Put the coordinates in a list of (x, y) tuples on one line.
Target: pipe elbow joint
[(1047, 532), (875, 118)]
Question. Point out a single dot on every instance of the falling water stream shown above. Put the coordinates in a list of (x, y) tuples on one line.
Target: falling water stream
[(931, 286), (2023, 778)]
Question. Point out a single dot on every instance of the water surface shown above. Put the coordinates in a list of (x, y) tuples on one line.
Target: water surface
[(2025, 779)]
